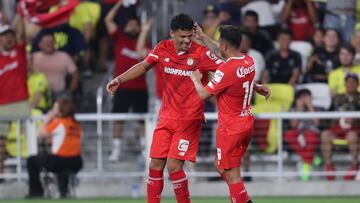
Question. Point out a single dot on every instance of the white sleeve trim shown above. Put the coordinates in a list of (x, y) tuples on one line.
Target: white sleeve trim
[(153, 55)]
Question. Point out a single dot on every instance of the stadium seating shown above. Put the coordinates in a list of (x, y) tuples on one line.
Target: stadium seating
[(282, 96)]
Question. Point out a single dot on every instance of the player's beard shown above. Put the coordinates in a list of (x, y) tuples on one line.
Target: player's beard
[(132, 35)]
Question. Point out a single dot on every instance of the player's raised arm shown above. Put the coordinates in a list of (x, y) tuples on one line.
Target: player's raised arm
[(134, 72), (109, 19), (207, 41)]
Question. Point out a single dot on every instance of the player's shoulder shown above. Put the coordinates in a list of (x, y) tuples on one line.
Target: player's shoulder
[(163, 46), (244, 60), (248, 60)]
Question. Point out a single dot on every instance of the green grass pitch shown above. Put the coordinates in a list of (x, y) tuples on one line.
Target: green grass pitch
[(200, 200)]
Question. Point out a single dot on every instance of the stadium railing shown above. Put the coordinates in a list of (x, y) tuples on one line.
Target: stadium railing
[(97, 139)]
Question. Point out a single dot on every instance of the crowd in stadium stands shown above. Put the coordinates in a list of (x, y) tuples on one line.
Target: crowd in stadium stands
[(49, 47)]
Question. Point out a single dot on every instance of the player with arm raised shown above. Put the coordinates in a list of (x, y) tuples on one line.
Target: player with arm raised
[(232, 84)]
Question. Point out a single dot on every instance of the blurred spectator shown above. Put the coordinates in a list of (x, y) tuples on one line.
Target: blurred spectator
[(143, 51), (13, 71), (356, 44), (320, 6), (300, 17), (259, 60), (317, 39), (343, 129), (39, 91), (337, 77), (211, 24), (267, 14), (131, 96), (233, 9), (325, 59), (102, 37), (210, 16), (262, 41), (85, 18), (341, 15), (67, 39), (283, 65), (65, 133), (8, 10), (56, 65), (302, 137)]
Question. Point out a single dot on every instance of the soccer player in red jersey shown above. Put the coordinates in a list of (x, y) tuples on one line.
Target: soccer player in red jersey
[(177, 133), (232, 84)]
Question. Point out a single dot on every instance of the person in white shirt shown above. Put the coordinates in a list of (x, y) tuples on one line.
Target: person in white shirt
[(259, 60)]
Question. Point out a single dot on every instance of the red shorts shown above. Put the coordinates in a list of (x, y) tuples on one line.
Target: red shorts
[(178, 139), (232, 141)]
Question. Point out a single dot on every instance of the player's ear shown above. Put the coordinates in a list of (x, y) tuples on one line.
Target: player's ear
[(172, 33), (223, 47)]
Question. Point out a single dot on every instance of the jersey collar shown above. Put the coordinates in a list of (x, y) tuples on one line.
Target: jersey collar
[(239, 58)]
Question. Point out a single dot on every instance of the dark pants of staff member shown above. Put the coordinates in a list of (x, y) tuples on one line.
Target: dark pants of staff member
[(61, 166)]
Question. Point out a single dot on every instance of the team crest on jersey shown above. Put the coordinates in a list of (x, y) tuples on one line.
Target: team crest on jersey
[(190, 61), (166, 59)]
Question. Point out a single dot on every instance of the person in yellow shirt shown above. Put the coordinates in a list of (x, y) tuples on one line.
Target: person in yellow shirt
[(39, 92), (40, 101), (337, 76)]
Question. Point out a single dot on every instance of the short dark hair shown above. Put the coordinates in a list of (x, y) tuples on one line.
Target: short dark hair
[(251, 13), (302, 92), (349, 48), (66, 107), (353, 76), (285, 31), (231, 34), (181, 22)]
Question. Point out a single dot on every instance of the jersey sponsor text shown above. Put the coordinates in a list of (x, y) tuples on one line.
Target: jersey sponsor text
[(179, 72)]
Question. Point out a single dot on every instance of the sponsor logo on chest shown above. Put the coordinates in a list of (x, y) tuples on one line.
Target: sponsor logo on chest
[(243, 71), (179, 72)]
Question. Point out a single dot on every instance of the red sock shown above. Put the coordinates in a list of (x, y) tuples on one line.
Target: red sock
[(155, 186), (180, 184), (238, 193)]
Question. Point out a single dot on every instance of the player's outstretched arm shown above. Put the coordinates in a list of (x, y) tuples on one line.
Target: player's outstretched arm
[(199, 87), (134, 72), (262, 90), (207, 41)]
